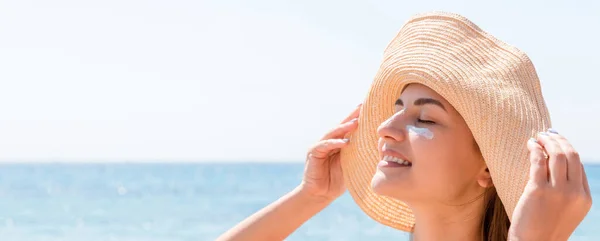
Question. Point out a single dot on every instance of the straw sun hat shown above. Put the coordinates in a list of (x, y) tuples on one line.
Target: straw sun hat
[(493, 86)]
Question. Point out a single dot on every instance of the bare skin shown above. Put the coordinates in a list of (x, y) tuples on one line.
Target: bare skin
[(443, 187), (557, 188), (557, 196), (322, 184)]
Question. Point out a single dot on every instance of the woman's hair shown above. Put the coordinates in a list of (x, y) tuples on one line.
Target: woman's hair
[(495, 222)]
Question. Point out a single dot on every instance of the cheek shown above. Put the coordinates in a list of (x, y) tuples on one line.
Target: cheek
[(427, 146), (420, 132), (439, 161), (447, 166)]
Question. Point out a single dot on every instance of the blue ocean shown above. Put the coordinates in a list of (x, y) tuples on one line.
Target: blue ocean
[(175, 201)]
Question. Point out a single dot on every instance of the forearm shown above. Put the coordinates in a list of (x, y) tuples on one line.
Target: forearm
[(278, 220)]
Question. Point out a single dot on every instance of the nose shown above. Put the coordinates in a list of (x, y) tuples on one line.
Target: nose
[(393, 128)]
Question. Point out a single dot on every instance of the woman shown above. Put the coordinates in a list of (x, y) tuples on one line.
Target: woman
[(441, 147)]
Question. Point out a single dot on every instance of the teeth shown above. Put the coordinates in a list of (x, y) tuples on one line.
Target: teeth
[(396, 160)]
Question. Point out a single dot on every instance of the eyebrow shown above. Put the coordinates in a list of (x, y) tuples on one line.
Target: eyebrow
[(424, 101)]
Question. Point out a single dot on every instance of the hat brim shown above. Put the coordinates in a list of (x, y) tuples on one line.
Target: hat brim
[(491, 84)]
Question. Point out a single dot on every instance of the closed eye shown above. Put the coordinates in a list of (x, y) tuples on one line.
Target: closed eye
[(425, 121)]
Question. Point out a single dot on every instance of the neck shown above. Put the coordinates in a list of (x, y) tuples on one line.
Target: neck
[(443, 222)]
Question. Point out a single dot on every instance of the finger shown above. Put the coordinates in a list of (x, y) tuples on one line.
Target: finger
[(538, 171), (354, 114), (573, 160), (341, 130), (557, 160), (586, 186), (323, 148)]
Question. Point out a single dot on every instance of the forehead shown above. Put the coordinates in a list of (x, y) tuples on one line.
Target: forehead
[(412, 92)]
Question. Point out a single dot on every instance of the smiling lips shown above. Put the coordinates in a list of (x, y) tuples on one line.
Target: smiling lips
[(396, 160), (392, 158)]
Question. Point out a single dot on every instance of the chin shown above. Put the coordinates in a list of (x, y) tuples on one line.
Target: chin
[(388, 186), (378, 182)]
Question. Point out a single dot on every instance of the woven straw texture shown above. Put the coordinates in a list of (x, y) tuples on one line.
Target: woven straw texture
[(493, 85)]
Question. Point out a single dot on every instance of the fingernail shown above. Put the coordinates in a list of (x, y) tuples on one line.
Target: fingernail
[(354, 120), (533, 140), (552, 131), (346, 140)]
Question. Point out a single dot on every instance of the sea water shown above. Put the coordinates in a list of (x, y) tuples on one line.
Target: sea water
[(175, 201)]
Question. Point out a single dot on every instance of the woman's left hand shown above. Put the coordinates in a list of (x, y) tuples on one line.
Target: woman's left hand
[(557, 196)]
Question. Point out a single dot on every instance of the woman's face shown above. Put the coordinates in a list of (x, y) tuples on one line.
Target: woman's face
[(444, 163)]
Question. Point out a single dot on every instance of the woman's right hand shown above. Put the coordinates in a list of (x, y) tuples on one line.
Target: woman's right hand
[(322, 183), (323, 178)]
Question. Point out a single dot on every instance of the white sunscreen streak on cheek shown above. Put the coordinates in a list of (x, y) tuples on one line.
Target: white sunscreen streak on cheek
[(424, 132)]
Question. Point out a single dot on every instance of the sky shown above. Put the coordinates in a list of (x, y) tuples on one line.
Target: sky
[(189, 80)]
